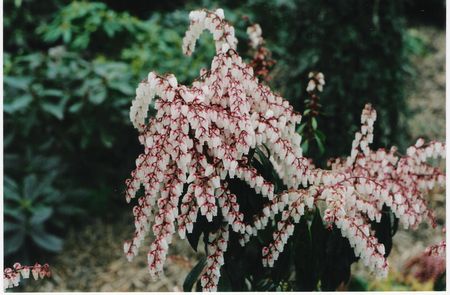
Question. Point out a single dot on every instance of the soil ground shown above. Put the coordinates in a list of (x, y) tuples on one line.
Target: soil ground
[(93, 259)]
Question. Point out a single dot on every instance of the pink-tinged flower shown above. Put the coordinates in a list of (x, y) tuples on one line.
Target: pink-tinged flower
[(11, 276), (201, 138)]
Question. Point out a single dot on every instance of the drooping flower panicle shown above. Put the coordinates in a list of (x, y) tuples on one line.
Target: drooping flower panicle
[(201, 137), (12, 276)]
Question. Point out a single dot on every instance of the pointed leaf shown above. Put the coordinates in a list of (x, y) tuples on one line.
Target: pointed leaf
[(47, 241), (11, 226), (29, 185), (17, 103), (193, 275), (56, 110), (314, 123), (11, 190), (41, 214), (14, 242)]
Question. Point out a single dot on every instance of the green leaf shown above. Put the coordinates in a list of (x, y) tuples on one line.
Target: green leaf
[(11, 226), (358, 283), (109, 29), (41, 214), (46, 240), (310, 243), (81, 41), (301, 128), (106, 139), (224, 284), (14, 242), (97, 95), (384, 229), (338, 260), (19, 82), (10, 189), (53, 92), (305, 146), (17, 214), (314, 123), (76, 107), (122, 86), (321, 135), (29, 185), (265, 162), (193, 275), (319, 144), (194, 237), (18, 103), (56, 110)]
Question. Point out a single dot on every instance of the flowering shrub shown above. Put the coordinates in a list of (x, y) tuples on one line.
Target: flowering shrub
[(11, 276), (222, 158)]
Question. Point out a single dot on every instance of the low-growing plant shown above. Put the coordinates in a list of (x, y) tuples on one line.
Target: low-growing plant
[(30, 208), (222, 159), (12, 276)]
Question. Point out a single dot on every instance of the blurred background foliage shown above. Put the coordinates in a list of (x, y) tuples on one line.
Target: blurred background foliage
[(71, 67)]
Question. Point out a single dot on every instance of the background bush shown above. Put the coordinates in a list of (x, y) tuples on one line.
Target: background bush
[(70, 70)]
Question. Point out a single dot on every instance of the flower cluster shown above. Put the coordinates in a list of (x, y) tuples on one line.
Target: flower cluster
[(262, 60), (217, 245), (11, 276), (425, 267), (254, 33), (316, 81), (223, 33), (438, 249), (201, 138), (356, 189)]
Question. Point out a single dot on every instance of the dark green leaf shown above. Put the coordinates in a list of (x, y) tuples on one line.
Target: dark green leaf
[(29, 187), (10, 189), (15, 213), (358, 283), (224, 282), (41, 214), (106, 139), (53, 92), (46, 240), (17, 103), (75, 107), (194, 237), (19, 82), (193, 275), (97, 95), (301, 128), (122, 86), (305, 146), (11, 226), (319, 144), (14, 242), (56, 110), (314, 123)]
